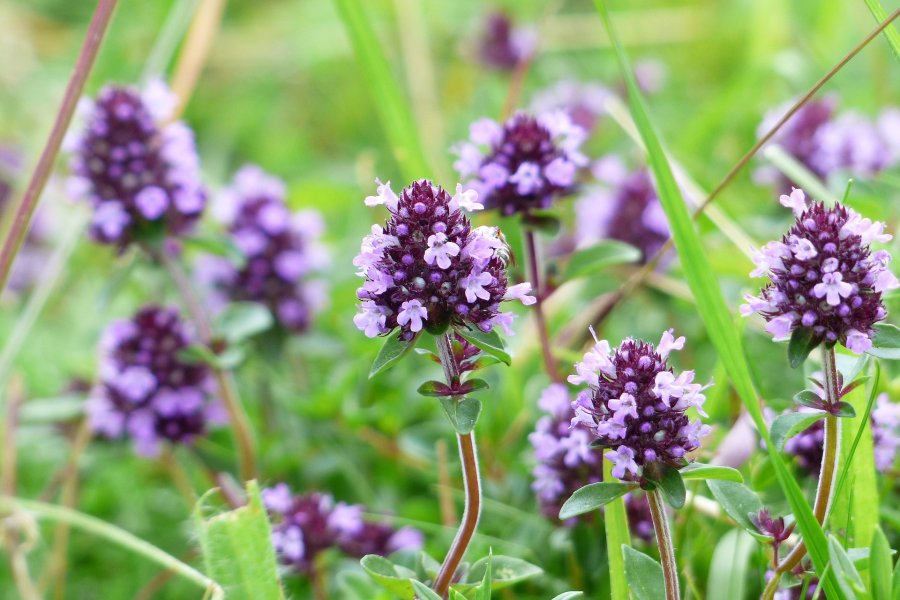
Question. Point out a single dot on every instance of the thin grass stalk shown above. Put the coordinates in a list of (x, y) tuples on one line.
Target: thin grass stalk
[(25, 209), (197, 45), (543, 335), (471, 481)]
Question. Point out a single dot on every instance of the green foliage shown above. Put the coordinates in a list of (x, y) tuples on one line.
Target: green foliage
[(668, 481), (592, 497), (593, 259), (240, 321), (392, 350), (237, 548), (802, 342), (731, 563), (645, 575), (617, 535), (488, 341), (886, 343), (738, 501), (462, 412), (697, 470), (786, 426), (880, 565)]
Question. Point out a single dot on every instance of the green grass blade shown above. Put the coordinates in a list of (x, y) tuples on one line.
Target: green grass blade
[(713, 310), (893, 37), (392, 106), (617, 535)]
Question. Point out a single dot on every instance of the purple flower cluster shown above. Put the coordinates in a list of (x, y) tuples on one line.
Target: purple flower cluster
[(429, 269), (503, 46), (146, 391), (305, 525), (825, 143), (635, 404), (624, 207), (566, 462), (282, 250), (823, 276), (523, 164), (140, 173)]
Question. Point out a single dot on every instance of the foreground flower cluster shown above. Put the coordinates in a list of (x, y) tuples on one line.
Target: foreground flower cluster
[(823, 276), (635, 404), (306, 525), (429, 269)]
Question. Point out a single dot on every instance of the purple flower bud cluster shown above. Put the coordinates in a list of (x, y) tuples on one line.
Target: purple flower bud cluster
[(305, 525), (146, 391), (524, 164), (623, 207), (823, 276), (282, 250), (824, 143), (140, 173), (635, 404), (566, 462), (428, 268), (503, 46)]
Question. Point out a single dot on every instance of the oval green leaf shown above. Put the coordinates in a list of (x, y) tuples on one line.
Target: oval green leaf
[(488, 341), (886, 343), (786, 426), (592, 497), (463, 413), (701, 471), (737, 500), (645, 575), (391, 351)]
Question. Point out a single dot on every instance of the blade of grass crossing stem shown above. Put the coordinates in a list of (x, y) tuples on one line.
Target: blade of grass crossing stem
[(394, 109), (617, 535), (890, 32), (713, 310)]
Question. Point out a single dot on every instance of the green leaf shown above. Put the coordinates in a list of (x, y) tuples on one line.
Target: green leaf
[(219, 245), (880, 565), (848, 577), (394, 110), (592, 497), (395, 579), (237, 549), (893, 37), (488, 341), (569, 595), (645, 575), (618, 534), (589, 261), (738, 501), (434, 389), (475, 385), (483, 591), (482, 362), (391, 351), (731, 561), (668, 480), (505, 571), (886, 343), (895, 582), (463, 413), (423, 592), (242, 320), (809, 398), (700, 471), (845, 410), (455, 595), (713, 311), (546, 223), (786, 426), (803, 341), (198, 353)]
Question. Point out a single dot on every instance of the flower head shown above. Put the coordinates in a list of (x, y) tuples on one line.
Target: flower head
[(523, 165), (281, 248), (428, 268), (823, 276), (635, 405), (624, 207), (503, 46), (146, 391), (141, 175), (305, 525)]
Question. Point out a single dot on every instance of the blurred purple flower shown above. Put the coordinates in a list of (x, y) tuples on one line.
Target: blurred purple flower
[(524, 164), (428, 269), (303, 526), (140, 172), (635, 404), (624, 206), (584, 102), (502, 45), (146, 391), (885, 432), (823, 276), (281, 248)]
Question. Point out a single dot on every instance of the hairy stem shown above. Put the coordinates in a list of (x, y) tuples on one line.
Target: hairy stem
[(827, 476), (534, 273), (228, 393), (664, 541), (471, 481), (25, 210)]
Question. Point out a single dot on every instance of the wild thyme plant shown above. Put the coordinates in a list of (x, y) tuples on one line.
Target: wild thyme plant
[(428, 270), (825, 287)]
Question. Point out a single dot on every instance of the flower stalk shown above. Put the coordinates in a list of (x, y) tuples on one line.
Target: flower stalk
[(471, 481), (664, 541), (827, 476), (540, 319)]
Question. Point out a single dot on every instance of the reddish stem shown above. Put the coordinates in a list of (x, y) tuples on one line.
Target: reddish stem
[(534, 275)]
